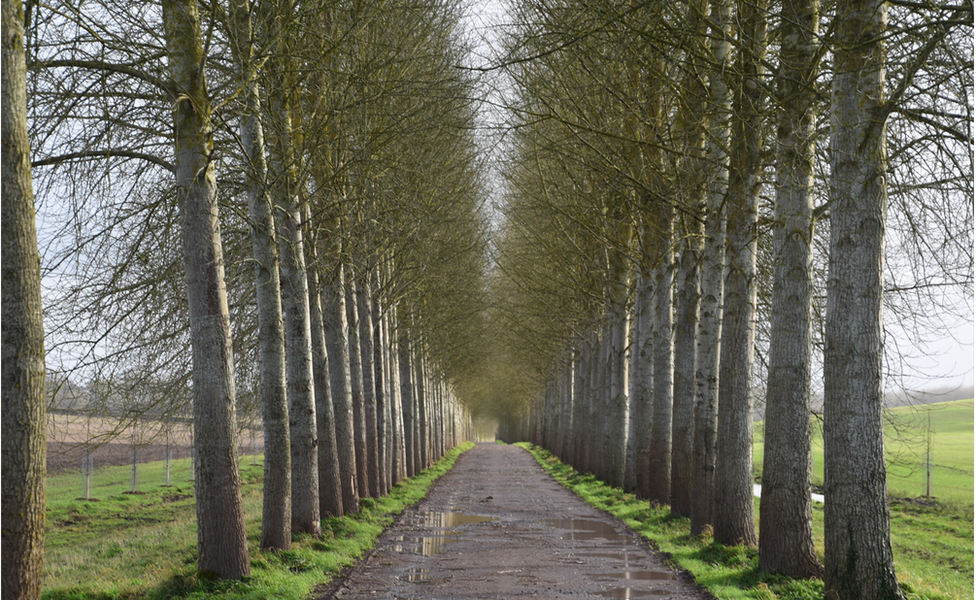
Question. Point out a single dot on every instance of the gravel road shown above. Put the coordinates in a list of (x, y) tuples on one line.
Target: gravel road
[(498, 526)]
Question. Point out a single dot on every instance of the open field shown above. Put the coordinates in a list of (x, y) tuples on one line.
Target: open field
[(111, 440), (906, 435)]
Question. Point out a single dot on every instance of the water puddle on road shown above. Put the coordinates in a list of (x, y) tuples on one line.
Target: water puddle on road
[(590, 529), (638, 575), (630, 593), (416, 575), (616, 544), (450, 519), (425, 545), (429, 545)]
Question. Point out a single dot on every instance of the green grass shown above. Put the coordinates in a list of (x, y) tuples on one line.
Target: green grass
[(144, 546), (905, 443), (932, 541)]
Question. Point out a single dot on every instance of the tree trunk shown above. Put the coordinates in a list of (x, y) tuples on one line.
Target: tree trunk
[(221, 538), (683, 411), (337, 344), (423, 430), (356, 381), (330, 481), (659, 467), (276, 511), (733, 509), (785, 508), (644, 374), (407, 400), (298, 341), (713, 267), (370, 382), (381, 382), (688, 191), (24, 372), (630, 471), (857, 544)]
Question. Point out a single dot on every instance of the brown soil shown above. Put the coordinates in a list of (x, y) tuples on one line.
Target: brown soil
[(66, 456), (498, 526)]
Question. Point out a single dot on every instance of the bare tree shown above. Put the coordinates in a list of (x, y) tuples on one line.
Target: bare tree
[(857, 548), (24, 372), (221, 538)]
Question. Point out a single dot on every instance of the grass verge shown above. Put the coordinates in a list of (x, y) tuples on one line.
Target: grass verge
[(932, 541), (143, 546)]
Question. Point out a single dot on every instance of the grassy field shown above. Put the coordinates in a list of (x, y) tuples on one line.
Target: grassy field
[(906, 433), (143, 546), (932, 538)]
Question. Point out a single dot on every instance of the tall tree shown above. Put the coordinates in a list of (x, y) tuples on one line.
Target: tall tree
[(713, 265), (24, 372), (732, 509), (221, 539), (785, 508), (857, 543), (276, 515)]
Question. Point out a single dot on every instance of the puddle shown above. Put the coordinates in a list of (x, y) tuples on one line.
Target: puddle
[(624, 556), (630, 593), (416, 575), (426, 545), (636, 575), (450, 519), (589, 529)]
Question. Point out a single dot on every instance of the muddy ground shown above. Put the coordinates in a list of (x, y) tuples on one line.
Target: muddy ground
[(498, 526)]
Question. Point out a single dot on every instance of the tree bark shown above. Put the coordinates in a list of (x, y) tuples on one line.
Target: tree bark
[(330, 481), (337, 344), (733, 513), (644, 374), (381, 383), (713, 266), (659, 467), (689, 191), (221, 538), (276, 510), (785, 508), (298, 336), (24, 372), (857, 545), (407, 402), (370, 381), (356, 384)]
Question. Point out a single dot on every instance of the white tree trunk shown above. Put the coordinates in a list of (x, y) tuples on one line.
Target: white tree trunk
[(713, 266)]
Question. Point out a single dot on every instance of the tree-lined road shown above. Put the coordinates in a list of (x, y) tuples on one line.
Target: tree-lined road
[(498, 526)]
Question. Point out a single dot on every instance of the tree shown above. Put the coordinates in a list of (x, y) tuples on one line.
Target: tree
[(24, 372), (713, 266), (857, 544), (288, 190), (732, 510), (276, 512), (221, 539), (785, 508)]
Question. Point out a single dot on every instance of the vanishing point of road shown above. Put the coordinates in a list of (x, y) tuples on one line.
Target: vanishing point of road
[(498, 526)]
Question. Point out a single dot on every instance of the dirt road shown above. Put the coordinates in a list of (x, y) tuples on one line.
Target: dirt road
[(498, 526)]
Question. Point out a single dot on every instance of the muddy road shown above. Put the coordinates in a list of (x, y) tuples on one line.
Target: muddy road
[(498, 526)]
